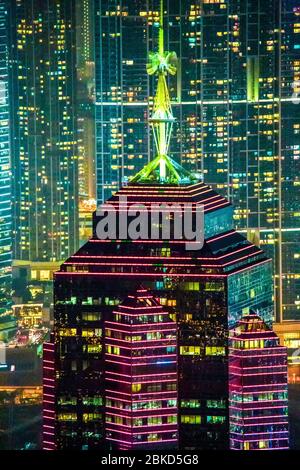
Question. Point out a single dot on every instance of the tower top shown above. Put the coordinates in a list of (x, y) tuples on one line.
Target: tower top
[(162, 169)]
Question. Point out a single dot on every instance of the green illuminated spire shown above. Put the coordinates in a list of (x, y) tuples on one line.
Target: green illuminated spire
[(162, 168)]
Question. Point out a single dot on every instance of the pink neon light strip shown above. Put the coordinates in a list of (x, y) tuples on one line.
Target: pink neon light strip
[(237, 423), (172, 265), (152, 327), (246, 408), (110, 379), (142, 357), (144, 375), (159, 415), (150, 363), (137, 348), (144, 393), (259, 433), (141, 442), (108, 273), (141, 432)]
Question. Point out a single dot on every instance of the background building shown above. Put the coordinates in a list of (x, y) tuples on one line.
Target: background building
[(234, 104), (44, 130), (258, 391), (85, 67), (5, 169)]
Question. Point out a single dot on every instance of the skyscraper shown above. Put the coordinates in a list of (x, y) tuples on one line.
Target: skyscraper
[(257, 387), (100, 309), (44, 130), (85, 114), (5, 169), (232, 97), (141, 383)]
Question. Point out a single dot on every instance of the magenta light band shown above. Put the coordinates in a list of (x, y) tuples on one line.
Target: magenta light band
[(138, 348), (141, 442), (242, 392), (144, 393), (110, 379), (261, 417), (133, 332), (258, 367), (264, 385), (172, 409), (166, 259), (136, 365), (143, 357), (152, 307), (152, 327), (141, 432), (260, 425), (257, 373), (157, 415), (257, 408), (246, 356), (260, 433), (108, 273), (144, 375), (245, 403)]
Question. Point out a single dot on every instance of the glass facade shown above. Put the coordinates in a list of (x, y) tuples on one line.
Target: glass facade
[(141, 375), (44, 129), (233, 100), (5, 169), (85, 69), (258, 401)]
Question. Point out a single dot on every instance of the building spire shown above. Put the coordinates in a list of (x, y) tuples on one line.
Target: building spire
[(162, 169), (162, 119)]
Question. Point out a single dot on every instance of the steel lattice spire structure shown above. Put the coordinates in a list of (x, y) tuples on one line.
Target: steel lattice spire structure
[(162, 168)]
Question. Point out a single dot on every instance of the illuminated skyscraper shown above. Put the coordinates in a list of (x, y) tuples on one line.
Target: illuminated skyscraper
[(258, 402), (44, 129), (232, 97), (5, 169), (85, 115), (141, 375), (106, 333)]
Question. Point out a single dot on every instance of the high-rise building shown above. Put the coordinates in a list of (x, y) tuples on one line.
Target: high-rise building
[(258, 402), (235, 100), (99, 310), (5, 169), (141, 375), (44, 130), (85, 115)]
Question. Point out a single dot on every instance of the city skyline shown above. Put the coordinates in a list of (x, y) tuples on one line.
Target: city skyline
[(118, 329), (139, 355)]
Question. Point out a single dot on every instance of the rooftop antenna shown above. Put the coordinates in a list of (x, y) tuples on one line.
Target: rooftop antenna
[(163, 168), (161, 63)]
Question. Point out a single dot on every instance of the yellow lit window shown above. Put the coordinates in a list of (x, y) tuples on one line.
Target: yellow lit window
[(67, 332), (191, 419), (190, 350), (44, 275), (136, 387), (215, 351)]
